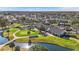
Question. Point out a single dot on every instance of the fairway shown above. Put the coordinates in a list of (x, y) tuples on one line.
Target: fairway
[(25, 33)]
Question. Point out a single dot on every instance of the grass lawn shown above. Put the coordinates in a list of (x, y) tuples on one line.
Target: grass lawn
[(22, 40), (12, 30), (25, 33), (16, 25), (7, 48), (55, 40)]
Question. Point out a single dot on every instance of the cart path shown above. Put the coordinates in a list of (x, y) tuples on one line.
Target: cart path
[(15, 37)]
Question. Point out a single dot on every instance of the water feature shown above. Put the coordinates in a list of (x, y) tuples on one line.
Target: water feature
[(51, 47), (2, 39), (22, 45)]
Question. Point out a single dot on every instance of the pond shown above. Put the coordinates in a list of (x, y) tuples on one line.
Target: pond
[(51, 47), (23, 45), (2, 39)]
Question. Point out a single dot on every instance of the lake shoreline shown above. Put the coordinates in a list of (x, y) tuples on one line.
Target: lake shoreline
[(49, 44)]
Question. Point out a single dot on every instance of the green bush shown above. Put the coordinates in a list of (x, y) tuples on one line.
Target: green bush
[(38, 48)]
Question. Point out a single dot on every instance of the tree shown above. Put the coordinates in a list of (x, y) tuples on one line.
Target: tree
[(11, 45), (38, 48), (28, 33), (17, 48)]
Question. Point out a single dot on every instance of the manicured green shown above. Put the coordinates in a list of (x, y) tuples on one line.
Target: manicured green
[(21, 40), (11, 31), (25, 33)]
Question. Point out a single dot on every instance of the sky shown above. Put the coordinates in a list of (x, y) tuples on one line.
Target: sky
[(39, 8)]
